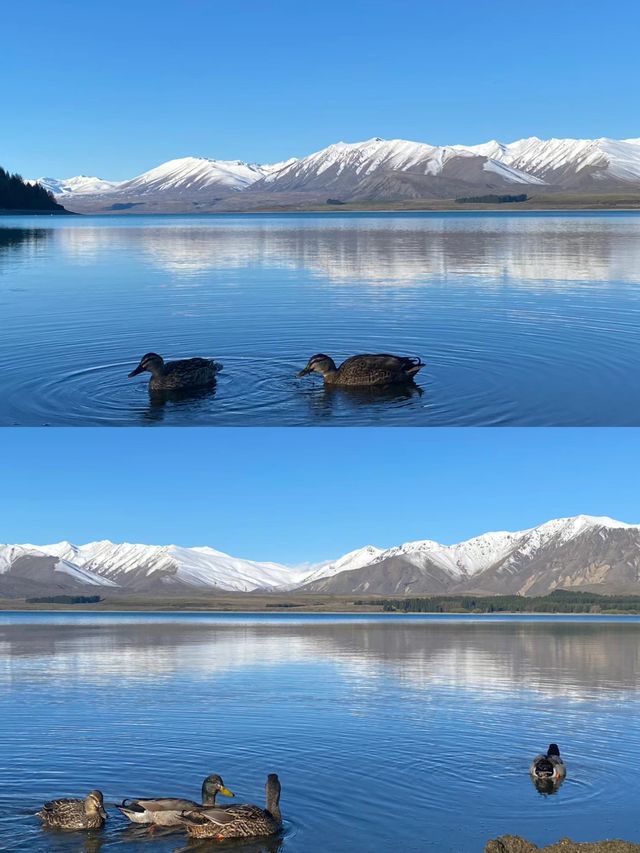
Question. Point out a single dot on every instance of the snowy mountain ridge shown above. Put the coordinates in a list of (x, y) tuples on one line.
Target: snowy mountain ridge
[(140, 567), (372, 169), (365, 158)]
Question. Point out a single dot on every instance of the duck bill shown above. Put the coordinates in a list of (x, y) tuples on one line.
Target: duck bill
[(103, 813), (226, 792), (135, 372), (304, 372)]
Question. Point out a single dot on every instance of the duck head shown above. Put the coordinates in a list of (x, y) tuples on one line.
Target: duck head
[(319, 363), (553, 750), (273, 790), (211, 787), (94, 804), (152, 362)]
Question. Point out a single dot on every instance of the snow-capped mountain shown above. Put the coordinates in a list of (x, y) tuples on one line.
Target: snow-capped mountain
[(133, 566), (569, 162), (343, 168), (353, 560), (79, 185), (25, 569), (582, 552), (193, 176), (373, 170), (178, 184)]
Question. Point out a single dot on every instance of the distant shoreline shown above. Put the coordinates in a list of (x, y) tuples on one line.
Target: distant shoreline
[(549, 203), (261, 605), (5, 212)]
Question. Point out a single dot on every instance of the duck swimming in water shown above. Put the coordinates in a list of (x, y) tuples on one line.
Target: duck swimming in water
[(177, 375), (365, 370), (241, 821), (549, 766), (74, 814), (166, 811)]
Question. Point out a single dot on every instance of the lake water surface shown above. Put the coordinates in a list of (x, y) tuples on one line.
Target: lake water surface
[(528, 319), (388, 733)]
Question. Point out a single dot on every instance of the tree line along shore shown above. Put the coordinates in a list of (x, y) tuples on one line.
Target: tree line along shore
[(17, 196), (558, 602)]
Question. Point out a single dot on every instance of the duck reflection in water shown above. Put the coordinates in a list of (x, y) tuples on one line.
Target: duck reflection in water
[(328, 400), (162, 401), (547, 787), (273, 844), (93, 843)]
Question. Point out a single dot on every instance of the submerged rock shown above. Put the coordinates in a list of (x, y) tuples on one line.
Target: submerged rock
[(516, 844)]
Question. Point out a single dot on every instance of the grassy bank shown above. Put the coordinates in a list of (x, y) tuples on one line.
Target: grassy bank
[(548, 202), (560, 602)]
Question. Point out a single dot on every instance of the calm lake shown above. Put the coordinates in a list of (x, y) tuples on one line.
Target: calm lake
[(530, 319), (389, 733)]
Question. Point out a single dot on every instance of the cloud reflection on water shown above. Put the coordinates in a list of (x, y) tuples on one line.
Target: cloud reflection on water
[(573, 660), (391, 251)]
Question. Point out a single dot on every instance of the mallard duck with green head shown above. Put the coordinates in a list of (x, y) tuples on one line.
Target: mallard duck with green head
[(237, 821), (166, 811), (74, 814), (382, 369), (177, 375)]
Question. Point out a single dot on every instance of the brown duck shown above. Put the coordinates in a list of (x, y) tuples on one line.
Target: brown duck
[(177, 375), (365, 370), (241, 821), (74, 814)]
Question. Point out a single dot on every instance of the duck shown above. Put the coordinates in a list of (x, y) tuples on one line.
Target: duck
[(237, 821), (548, 766), (74, 814), (166, 811), (365, 370), (177, 375)]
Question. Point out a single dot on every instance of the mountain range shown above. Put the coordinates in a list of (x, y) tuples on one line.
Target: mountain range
[(376, 170), (584, 552)]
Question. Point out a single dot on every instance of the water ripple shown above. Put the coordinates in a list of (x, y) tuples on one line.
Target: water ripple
[(523, 321)]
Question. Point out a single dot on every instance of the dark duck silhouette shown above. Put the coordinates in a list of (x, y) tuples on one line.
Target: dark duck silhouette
[(177, 375), (365, 370), (549, 766)]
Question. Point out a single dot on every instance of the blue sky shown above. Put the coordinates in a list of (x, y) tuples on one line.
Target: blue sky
[(297, 495), (114, 87)]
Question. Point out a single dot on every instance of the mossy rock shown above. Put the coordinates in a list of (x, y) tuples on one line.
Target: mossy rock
[(516, 844)]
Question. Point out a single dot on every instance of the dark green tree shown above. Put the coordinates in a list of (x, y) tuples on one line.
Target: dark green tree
[(15, 194)]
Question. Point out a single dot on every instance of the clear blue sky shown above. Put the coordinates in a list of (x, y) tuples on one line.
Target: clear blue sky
[(114, 87), (297, 495)]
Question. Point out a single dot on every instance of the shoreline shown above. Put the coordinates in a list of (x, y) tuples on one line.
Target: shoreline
[(5, 212), (365, 611), (545, 203), (382, 211)]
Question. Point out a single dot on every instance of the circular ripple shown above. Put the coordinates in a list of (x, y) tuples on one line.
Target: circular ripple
[(492, 357)]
